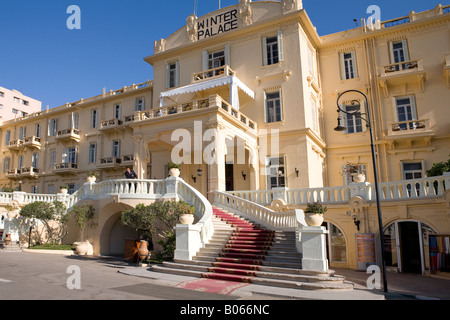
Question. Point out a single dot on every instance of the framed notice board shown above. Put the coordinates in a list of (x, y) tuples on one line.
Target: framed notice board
[(365, 250)]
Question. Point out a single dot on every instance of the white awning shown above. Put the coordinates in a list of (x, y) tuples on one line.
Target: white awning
[(233, 81)]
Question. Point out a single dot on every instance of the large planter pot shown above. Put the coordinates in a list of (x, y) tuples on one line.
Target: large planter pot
[(64, 191), (82, 248), (8, 238), (143, 250), (174, 172), (91, 179), (359, 178), (313, 219), (187, 219)]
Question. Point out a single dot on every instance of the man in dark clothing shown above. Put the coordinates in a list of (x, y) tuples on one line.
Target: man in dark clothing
[(130, 174)]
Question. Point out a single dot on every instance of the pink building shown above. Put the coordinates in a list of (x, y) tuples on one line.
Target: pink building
[(14, 104)]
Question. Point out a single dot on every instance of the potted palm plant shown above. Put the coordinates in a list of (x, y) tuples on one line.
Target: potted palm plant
[(314, 214)]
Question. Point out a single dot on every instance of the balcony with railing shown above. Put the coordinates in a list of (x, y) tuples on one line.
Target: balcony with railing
[(213, 101), (403, 72), (29, 172), (13, 173), (128, 160), (110, 163), (69, 135), (112, 125), (16, 145), (213, 74), (66, 167), (32, 143), (409, 129)]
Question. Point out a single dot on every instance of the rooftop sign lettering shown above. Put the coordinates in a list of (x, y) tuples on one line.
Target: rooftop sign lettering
[(217, 24)]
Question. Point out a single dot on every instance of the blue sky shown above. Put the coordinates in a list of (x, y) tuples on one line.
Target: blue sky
[(43, 59)]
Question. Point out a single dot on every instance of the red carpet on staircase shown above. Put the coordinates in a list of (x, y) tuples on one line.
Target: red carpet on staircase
[(244, 252)]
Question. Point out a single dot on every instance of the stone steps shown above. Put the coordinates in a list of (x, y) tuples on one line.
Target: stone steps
[(12, 247), (242, 251)]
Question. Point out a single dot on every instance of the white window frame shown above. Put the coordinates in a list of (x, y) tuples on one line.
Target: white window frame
[(172, 74), (347, 176), (349, 65), (348, 118), (273, 163), (6, 164), (208, 61), (92, 154), (52, 158), (417, 174), (94, 118), (117, 111), (139, 104), (37, 130), (7, 137), (115, 152), (412, 113), (267, 101), (35, 160), (74, 121), (20, 162), (265, 49), (52, 127), (22, 133), (396, 55), (70, 155)]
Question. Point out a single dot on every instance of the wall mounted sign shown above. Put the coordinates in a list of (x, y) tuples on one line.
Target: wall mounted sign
[(217, 24), (365, 250)]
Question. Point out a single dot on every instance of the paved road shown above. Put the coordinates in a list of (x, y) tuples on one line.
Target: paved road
[(34, 276)]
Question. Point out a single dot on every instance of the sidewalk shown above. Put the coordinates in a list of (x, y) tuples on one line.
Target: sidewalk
[(406, 286), (400, 287)]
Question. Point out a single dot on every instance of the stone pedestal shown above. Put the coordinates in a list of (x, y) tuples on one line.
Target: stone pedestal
[(171, 189), (11, 226), (187, 241), (313, 244)]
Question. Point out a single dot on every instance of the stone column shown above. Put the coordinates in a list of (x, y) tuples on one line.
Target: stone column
[(215, 159)]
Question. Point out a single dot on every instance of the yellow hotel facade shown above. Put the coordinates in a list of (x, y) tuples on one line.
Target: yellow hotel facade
[(258, 80)]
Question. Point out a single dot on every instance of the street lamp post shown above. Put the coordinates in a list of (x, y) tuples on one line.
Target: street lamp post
[(375, 171)]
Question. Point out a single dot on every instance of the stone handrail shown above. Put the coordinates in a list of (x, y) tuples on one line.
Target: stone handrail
[(272, 220), (203, 210), (431, 187), (326, 195)]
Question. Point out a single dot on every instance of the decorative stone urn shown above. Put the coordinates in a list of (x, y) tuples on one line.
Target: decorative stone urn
[(91, 179), (82, 248), (359, 178), (64, 190), (314, 219), (174, 172), (186, 218)]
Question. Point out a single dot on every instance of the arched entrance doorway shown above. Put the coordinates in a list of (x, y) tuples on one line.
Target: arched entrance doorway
[(118, 236), (114, 234), (407, 246)]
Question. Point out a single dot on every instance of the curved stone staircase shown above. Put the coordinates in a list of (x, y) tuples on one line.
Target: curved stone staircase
[(244, 252)]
